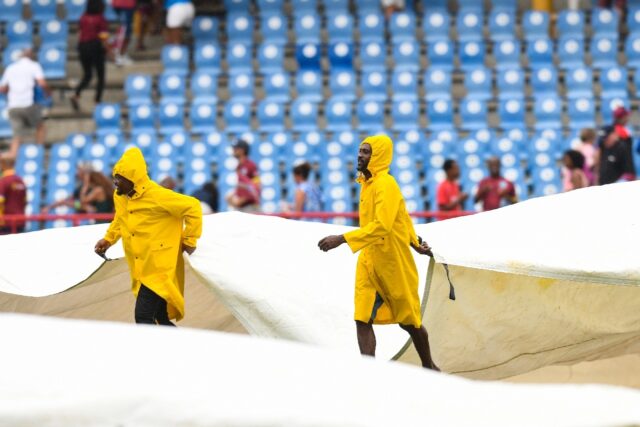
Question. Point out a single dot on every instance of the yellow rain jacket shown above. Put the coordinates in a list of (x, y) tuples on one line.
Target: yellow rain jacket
[(385, 264), (153, 224)]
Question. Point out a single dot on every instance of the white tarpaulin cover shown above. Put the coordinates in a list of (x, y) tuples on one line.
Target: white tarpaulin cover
[(550, 280), (63, 373)]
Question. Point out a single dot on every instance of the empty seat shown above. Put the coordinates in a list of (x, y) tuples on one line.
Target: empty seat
[(370, 115), (202, 116), (205, 28), (405, 114), (581, 113), (237, 116), (437, 83), (304, 115), (374, 85), (107, 117), (471, 54), (271, 116), (473, 114), (276, 87), (633, 20), (308, 56), (240, 27), (435, 25), (402, 26), (10, 10), (512, 113), (340, 27), (579, 82), (144, 139), (175, 59), (74, 9), (632, 51), (207, 57), (172, 87), (614, 82), (270, 5), (5, 126), (440, 114), (307, 27), (477, 82), (341, 56), (143, 116), (544, 80), (604, 22), (570, 23), (469, 25), (507, 53), (373, 55), (406, 55), (171, 115), (19, 33), (53, 60), (371, 26), (547, 111), (404, 85), (309, 85), (273, 26), (502, 25), (570, 52), (43, 10), (271, 57), (239, 57), (604, 52), (338, 113), (343, 84), (54, 33), (440, 54), (241, 87), (237, 5), (540, 52), (535, 24), (204, 87), (138, 88)]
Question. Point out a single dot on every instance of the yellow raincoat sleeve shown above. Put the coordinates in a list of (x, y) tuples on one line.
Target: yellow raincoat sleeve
[(412, 232), (113, 232), (387, 199), (188, 208)]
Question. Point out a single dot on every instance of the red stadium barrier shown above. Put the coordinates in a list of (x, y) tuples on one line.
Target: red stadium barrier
[(13, 221)]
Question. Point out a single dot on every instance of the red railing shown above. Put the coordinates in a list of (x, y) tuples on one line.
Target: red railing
[(12, 222)]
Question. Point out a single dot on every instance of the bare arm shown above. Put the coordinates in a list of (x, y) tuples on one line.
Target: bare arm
[(298, 203)]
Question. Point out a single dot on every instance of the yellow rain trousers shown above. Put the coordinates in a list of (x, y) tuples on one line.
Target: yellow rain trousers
[(385, 264), (153, 224)]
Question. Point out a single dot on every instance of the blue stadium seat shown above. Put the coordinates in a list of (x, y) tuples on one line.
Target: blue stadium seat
[(636, 81), (507, 53), (276, 87), (297, 152), (172, 87), (205, 29), (570, 23), (544, 80), (239, 57), (207, 57), (335, 6), (164, 161), (314, 140), (270, 5), (197, 170), (540, 52), (604, 22), (240, 27), (402, 26), (271, 116), (547, 111), (237, 5), (74, 9), (373, 56), (341, 56), (613, 81), (304, 5), (474, 5), (340, 27), (338, 114), (502, 25), (546, 181), (273, 26), (406, 55), (370, 115), (367, 5), (579, 82), (608, 104), (43, 10), (309, 86), (435, 25), (280, 140), (503, 146), (107, 117), (371, 26), (98, 156), (469, 25), (54, 33), (10, 10), (570, 52), (581, 113), (404, 85), (175, 59), (440, 114), (405, 114), (79, 140), (11, 54), (440, 54), (138, 88), (477, 82), (471, 54), (473, 114), (53, 61), (374, 85), (307, 28), (143, 116), (145, 140), (237, 116), (633, 20), (604, 52), (270, 57), (114, 142), (19, 33), (632, 50), (203, 116), (304, 115), (204, 87), (216, 143), (343, 84), (5, 126), (535, 24), (171, 116), (308, 56), (437, 83)]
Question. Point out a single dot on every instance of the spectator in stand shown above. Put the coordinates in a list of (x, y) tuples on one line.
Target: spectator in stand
[(144, 14), (588, 149), (390, 7), (73, 201), (93, 32), (19, 81), (573, 176), (13, 196), (246, 196), (96, 194), (208, 196), (620, 119), (308, 197), (495, 191), (449, 196), (169, 183), (613, 159), (180, 14), (124, 9)]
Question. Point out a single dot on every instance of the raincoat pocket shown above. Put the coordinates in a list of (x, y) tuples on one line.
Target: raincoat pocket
[(162, 256)]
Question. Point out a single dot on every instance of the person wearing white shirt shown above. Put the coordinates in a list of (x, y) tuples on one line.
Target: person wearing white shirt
[(18, 82)]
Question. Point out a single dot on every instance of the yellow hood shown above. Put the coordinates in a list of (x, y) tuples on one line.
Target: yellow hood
[(381, 153), (133, 167)]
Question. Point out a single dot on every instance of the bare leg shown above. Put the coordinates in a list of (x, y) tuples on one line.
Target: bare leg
[(420, 340), (174, 35), (13, 147), (40, 133), (366, 338)]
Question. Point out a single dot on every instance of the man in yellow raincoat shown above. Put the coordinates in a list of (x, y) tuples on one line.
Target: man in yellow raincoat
[(386, 274), (156, 226)]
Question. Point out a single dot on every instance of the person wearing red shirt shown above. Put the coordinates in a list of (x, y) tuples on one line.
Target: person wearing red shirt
[(13, 196), (92, 34), (246, 196), (495, 191), (449, 196)]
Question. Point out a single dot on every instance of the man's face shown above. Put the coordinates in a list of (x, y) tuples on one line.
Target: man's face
[(454, 172), (238, 152), (364, 156), (122, 184), (494, 167)]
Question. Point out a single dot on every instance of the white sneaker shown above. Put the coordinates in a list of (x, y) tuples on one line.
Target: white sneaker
[(123, 60)]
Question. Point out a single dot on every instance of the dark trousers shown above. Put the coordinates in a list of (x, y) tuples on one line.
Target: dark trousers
[(92, 55), (151, 308)]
